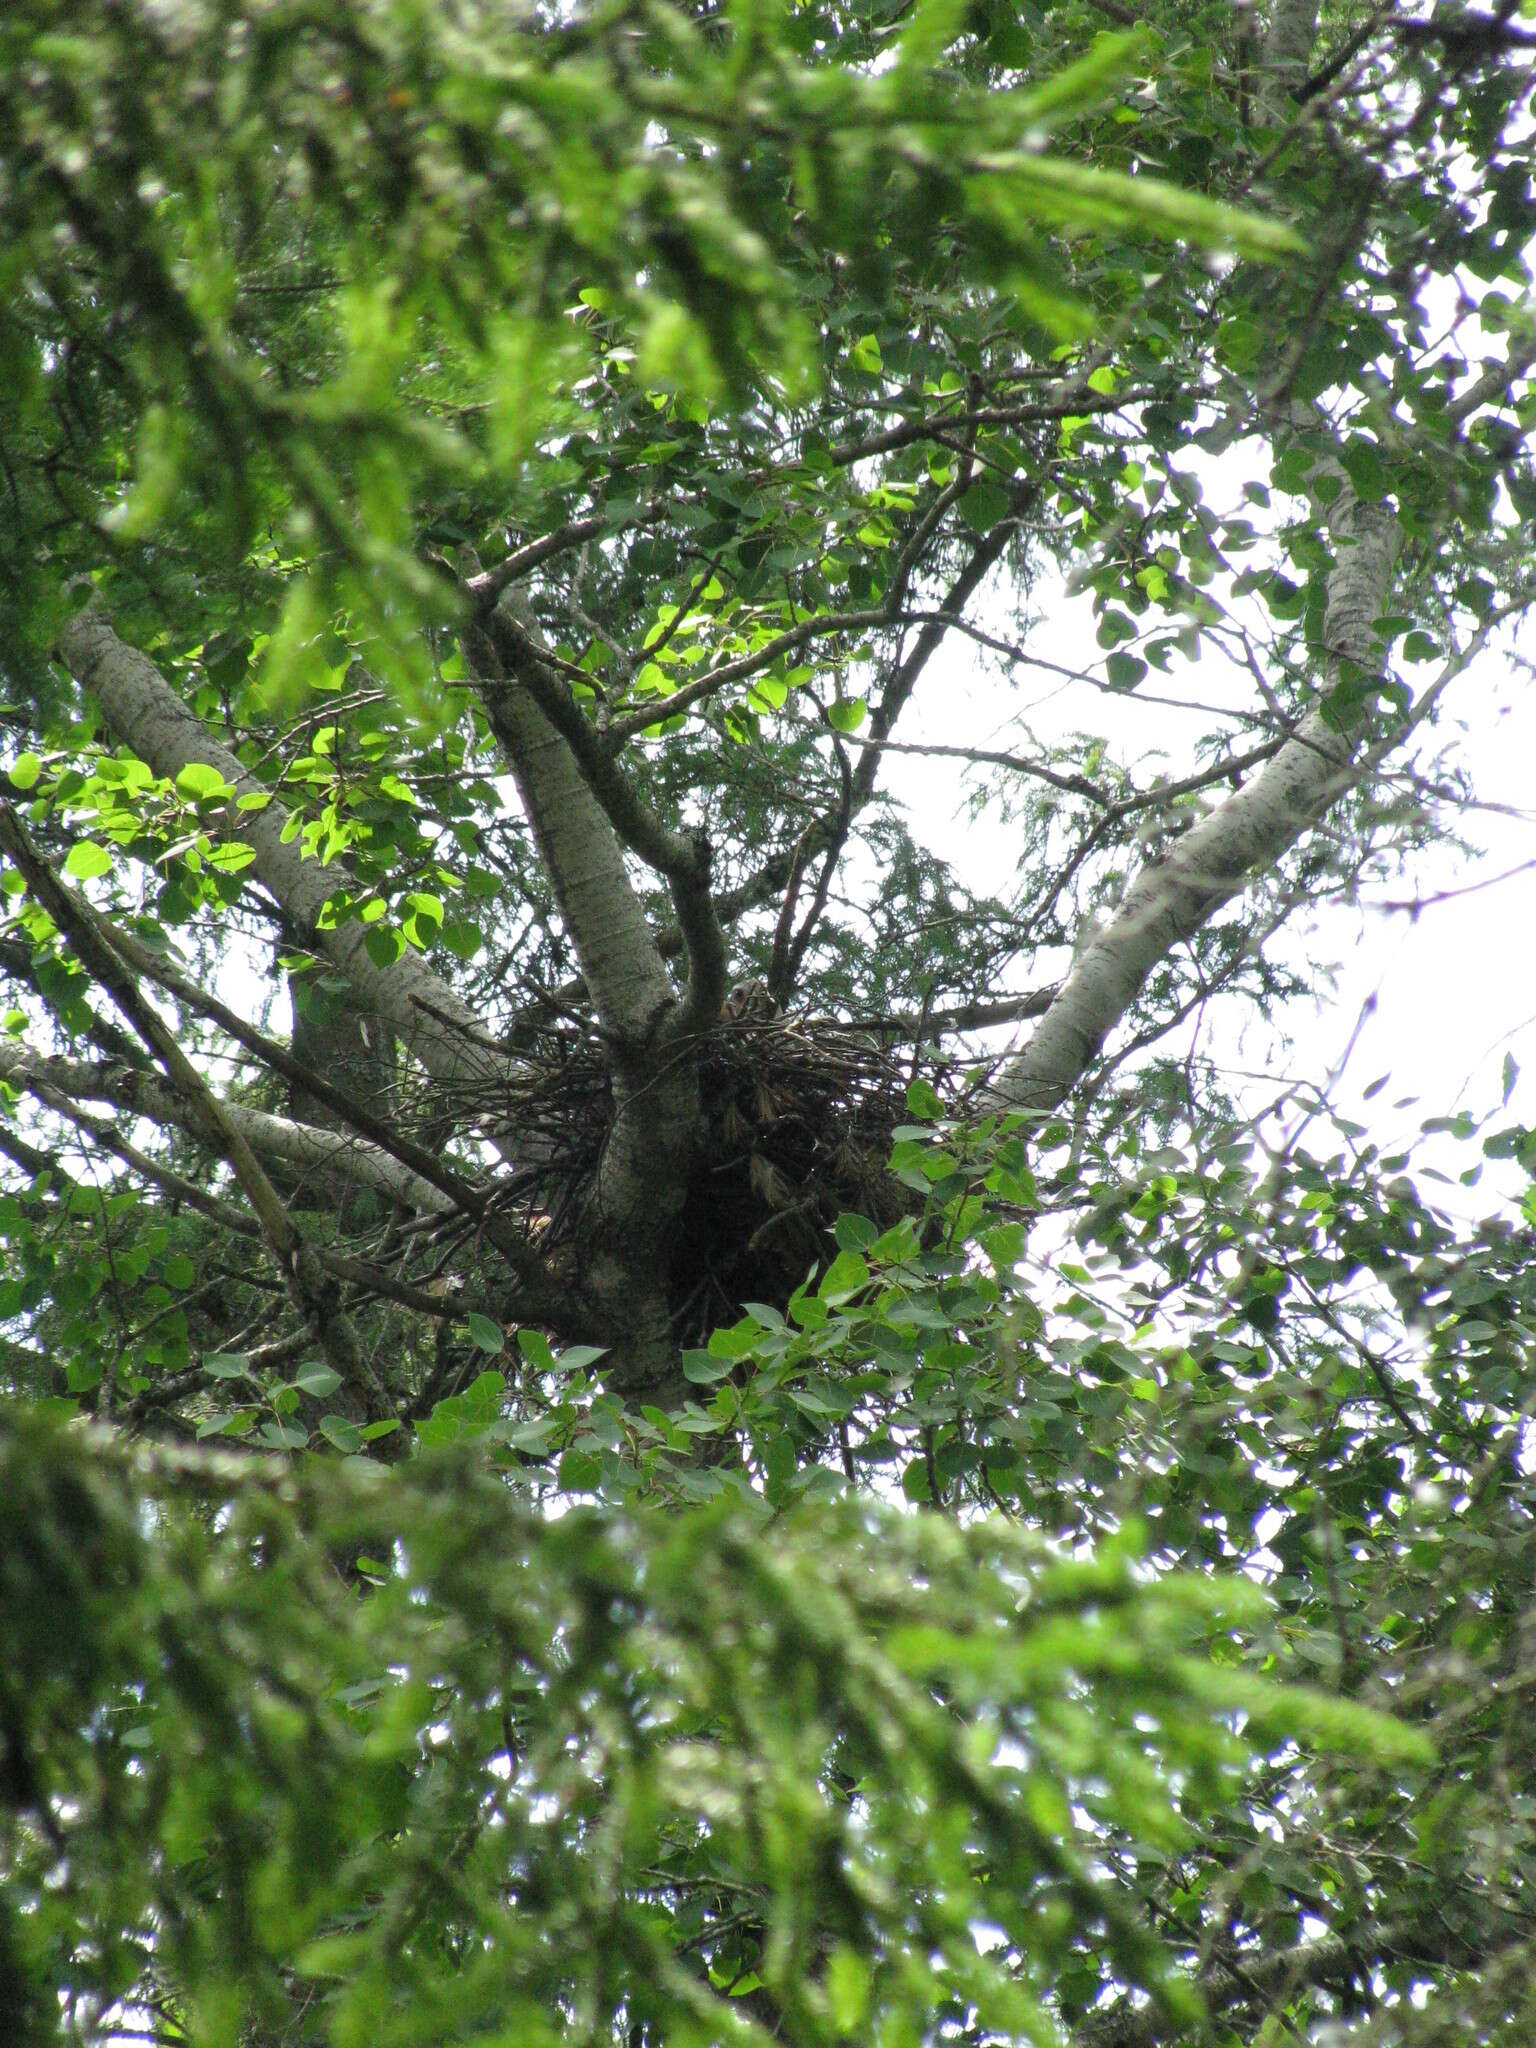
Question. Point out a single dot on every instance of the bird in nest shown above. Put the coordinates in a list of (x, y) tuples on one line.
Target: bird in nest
[(750, 1002)]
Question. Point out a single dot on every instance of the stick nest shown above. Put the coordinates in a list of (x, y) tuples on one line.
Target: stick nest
[(798, 1118)]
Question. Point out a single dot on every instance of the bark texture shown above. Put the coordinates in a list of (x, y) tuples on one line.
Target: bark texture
[(144, 712), (328, 1159), (583, 812), (1170, 900)]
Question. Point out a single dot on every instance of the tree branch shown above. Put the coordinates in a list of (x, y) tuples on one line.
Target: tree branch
[(145, 713), (301, 1148), (682, 859), (295, 1259), (1171, 899), (1243, 1980), (429, 1166), (901, 1025), (487, 585), (579, 843), (986, 553), (575, 807)]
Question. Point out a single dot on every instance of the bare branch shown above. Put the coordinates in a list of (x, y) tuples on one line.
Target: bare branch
[(986, 553), (904, 1025), (1171, 899), (486, 585)]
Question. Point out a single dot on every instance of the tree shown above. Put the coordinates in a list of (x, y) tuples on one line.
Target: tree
[(488, 490)]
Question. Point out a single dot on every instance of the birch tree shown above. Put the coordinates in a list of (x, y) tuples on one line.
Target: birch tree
[(490, 495)]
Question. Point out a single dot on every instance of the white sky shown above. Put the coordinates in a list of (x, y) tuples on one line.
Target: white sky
[(1455, 987)]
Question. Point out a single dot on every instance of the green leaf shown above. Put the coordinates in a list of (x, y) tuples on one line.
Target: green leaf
[(915, 1482), (849, 1986), (484, 1334), (577, 1357), (534, 1346), (1085, 196), (227, 1365), (233, 858), (854, 1233), (580, 1472), (86, 861), (1079, 87), (25, 770), (984, 504), (847, 1276), (923, 1100), (318, 1380), (1367, 472), (704, 1369), (202, 783), (1304, 1713)]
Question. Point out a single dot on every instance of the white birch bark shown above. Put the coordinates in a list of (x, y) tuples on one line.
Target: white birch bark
[(642, 1177), (146, 714), (1287, 52), (339, 1161), (625, 975), (1170, 901)]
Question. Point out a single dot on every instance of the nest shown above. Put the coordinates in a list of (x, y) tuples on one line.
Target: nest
[(798, 1117)]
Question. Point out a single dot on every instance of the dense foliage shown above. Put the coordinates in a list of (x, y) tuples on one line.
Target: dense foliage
[(593, 1449)]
